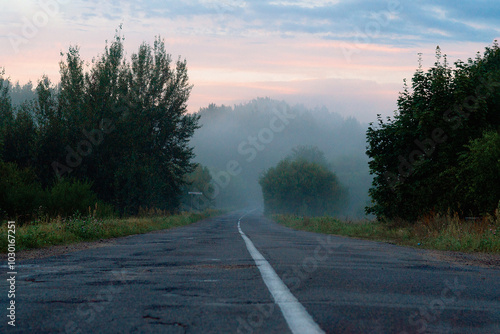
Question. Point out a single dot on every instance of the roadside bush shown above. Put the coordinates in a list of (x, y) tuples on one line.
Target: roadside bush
[(20, 193), (84, 227), (22, 198), (67, 197)]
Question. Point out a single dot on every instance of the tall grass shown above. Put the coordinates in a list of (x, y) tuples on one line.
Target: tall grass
[(79, 228), (441, 232)]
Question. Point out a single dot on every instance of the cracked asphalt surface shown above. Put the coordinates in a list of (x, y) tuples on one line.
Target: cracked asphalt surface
[(202, 279)]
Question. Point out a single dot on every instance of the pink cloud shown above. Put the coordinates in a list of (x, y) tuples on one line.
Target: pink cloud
[(235, 68)]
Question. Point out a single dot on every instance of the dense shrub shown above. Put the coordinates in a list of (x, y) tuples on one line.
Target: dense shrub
[(20, 193), (68, 196), (301, 187), (23, 199)]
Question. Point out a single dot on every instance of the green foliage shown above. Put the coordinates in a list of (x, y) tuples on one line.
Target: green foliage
[(68, 196), (415, 156), (479, 170), (122, 125), (6, 114), (20, 193), (22, 197), (84, 227), (20, 139), (32, 238), (309, 153), (87, 228), (198, 180), (437, 232), (301, 187)]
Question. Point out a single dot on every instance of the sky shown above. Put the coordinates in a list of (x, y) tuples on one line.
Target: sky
[(348, 55)]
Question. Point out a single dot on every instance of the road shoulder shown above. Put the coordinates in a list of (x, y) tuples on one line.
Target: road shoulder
[(465, 259)]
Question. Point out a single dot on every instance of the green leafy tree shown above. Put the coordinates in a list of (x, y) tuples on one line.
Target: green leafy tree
[(6, 112), (51, 129), (134, 114), (414, 156), (157, 128), (21, 138), (301, 187), (311, 154), (121, 127), (198, 180), (478, 176), (20, 193)]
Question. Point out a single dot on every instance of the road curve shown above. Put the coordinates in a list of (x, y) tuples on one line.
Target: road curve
[(203, 279)]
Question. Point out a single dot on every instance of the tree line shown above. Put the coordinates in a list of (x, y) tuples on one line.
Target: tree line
[(440, 153), (115, 131)]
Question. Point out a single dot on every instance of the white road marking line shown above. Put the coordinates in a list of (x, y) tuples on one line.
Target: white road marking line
[(296, 316)]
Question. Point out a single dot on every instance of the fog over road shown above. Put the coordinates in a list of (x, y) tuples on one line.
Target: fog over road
[(203, 279)]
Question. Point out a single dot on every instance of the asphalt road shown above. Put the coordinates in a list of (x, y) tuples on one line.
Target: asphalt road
[(203, 279)]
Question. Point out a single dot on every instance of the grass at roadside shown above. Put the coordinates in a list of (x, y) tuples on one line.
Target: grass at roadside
[(80, 228), (438, 232)]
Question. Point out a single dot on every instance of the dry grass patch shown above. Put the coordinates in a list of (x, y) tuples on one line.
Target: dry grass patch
[(79, 228), (440, 232)]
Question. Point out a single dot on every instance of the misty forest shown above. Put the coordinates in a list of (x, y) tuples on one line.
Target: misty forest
[(114, 137)]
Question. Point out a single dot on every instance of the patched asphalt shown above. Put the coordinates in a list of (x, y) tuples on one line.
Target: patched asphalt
[(202, 279)]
